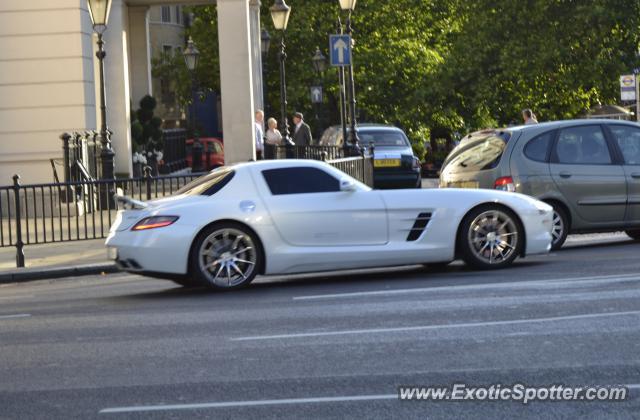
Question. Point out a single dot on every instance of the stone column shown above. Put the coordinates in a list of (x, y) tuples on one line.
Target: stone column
[(117, 85), (140, 54), (236, 80), (256, 53)]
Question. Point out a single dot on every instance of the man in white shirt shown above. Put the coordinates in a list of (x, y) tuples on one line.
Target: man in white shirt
[(259, 134), (529, 117)]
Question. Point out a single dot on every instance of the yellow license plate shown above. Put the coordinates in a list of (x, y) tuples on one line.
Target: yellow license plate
[(386, 163)]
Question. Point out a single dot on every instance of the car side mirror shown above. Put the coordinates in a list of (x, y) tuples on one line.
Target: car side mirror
[(347, 184)]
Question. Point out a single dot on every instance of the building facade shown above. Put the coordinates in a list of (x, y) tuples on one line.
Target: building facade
[(49, 80)]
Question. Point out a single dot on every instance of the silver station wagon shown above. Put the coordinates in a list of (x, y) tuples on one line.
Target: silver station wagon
[(588, 170)]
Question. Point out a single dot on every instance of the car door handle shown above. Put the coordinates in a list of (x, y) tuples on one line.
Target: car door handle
[(635, 175), (565, 174)]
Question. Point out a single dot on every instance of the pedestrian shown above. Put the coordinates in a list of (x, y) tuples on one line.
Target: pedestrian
[(272, 139), (259, 134), (302, 132), (529, 117)]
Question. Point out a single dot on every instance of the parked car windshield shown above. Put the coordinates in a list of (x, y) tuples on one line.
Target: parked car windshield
[(480, 154), (208, 184), (383, 138)]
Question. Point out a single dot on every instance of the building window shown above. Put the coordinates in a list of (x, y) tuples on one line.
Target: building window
[(166, 14), (179, 15)]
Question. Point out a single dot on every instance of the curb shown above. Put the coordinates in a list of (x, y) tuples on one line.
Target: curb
[(32, 274)]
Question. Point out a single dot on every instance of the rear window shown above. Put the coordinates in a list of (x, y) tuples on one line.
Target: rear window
[(538, 148), (383, 138), (478, 155), (208, 184)]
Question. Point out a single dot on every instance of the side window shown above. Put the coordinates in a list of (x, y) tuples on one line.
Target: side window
[(538, 147), (582, 146), (300, 181), (628, 139)]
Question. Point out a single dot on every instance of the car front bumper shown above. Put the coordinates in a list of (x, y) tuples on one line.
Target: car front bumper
[(396, 178)]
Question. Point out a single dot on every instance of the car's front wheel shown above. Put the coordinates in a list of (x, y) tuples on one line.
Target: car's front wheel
[(490, 237), (633, 234), (225, 256)]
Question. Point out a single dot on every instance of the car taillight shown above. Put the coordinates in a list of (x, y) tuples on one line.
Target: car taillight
[(505, 183), (154, 222)]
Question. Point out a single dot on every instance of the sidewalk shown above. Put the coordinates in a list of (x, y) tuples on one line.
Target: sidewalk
[(56, 260)]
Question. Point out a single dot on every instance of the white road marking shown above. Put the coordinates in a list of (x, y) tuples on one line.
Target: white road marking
[(16, 297), (434, 327), (518, 285), (228, 404), (15, 316), (255, 403)]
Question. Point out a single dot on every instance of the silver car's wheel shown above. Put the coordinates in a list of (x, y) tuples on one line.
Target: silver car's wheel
[(560, 228), (227, 257), (491, 237)]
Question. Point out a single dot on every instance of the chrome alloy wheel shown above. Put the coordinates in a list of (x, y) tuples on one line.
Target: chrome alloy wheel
[(558, 227), (493, 236), (227, 257)]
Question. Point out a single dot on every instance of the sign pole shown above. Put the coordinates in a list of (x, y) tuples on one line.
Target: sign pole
[(637, 96)]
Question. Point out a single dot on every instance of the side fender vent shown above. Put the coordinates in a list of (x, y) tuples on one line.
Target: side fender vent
[(419, 226)]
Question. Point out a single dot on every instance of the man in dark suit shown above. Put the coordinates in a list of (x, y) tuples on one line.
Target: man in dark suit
[(301, 132)]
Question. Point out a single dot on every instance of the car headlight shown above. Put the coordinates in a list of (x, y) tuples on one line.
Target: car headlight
[(154, 222)]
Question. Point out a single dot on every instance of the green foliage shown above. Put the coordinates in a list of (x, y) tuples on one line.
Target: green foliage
[(146, 129), (448, 65)]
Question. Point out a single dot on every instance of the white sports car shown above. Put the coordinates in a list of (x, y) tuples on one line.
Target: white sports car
[(295, 216)]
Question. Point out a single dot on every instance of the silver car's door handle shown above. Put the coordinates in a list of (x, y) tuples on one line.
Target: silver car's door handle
[(635, 175), (565, 174)]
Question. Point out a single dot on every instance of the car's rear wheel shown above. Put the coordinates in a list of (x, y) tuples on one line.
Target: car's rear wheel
[(560, 227), (633, 234), (490, 237), (225, 256)]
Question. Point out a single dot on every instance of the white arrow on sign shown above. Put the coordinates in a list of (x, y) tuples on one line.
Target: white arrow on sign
[(317, 95), (341, 46)]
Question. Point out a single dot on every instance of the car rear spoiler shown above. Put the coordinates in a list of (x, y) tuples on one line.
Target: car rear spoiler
[(129, 203)]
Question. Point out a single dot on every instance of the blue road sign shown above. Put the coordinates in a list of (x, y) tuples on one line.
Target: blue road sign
[(340, 49)]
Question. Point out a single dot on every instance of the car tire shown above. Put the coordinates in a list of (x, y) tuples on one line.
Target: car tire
[(490, 237), (225, 256), (560, 227), (633, 234)]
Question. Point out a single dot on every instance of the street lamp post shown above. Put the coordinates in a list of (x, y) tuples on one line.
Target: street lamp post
[(280, 16), (319, 65), (265, 43), (99, 12), (350, 5), (191, 58)]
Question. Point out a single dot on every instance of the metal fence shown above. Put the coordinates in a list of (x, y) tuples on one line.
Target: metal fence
[(84, 209), (304, 152), (175, 150)]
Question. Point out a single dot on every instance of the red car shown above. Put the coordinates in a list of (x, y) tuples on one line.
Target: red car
[(216, 152)]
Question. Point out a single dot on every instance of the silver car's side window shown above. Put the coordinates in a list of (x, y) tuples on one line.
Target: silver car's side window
[(538, 148), (628, 139), (584, 145)]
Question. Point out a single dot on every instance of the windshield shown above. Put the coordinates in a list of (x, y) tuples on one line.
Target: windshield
[(481, 154), (385, 138), (208, 184)]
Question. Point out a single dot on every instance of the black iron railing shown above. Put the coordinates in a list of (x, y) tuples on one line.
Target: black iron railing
[(304, 152), (175, 150)]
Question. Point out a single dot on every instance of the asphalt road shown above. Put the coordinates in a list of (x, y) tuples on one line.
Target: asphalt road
[(336, 345)]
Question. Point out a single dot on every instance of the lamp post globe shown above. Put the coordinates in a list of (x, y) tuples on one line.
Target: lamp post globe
[(319, 61), (191, 58), (99, 13), (280, 15), (265, 42), (347, 4)]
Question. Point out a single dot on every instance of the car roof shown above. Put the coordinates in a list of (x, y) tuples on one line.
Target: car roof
[(278, 163), (566, 123), (369, 126)]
